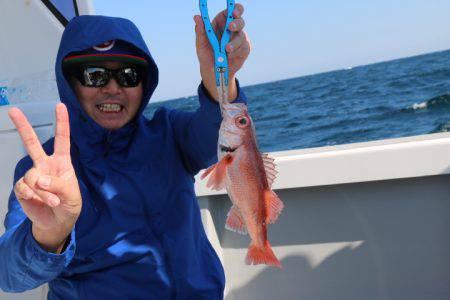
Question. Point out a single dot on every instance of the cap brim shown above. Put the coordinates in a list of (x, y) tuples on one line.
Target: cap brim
[(89, 58)]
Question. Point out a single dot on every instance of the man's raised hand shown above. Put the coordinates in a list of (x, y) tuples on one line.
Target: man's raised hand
[(48, 193), (238, 49)]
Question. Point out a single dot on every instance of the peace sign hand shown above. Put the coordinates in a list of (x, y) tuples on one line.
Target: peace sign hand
[(48, 193)]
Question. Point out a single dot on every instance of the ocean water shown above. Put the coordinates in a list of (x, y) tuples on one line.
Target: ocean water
[(398, 98)]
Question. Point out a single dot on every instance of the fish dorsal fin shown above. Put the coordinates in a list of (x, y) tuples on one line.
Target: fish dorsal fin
[(235, 222), (274, 206), (269, 166), (218, 173)]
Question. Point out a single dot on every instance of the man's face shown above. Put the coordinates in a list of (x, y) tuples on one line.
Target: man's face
[(111, 106)]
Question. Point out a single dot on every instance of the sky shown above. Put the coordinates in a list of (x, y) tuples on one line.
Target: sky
[(290, 38)]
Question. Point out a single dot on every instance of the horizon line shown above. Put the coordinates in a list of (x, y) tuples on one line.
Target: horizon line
[(318, 73)]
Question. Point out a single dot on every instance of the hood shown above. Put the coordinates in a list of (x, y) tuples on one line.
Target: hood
[(82, 33)]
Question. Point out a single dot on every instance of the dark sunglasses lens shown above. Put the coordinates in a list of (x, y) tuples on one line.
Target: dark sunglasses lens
[(95, 77), (128, 77)]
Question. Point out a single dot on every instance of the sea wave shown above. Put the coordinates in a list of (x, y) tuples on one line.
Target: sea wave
[(436, 102), (442, 127), (393, 99)]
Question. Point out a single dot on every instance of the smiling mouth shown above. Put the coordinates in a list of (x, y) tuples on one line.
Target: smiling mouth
[(110, 107)]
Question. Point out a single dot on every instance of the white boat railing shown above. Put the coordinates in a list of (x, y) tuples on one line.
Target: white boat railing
[(388, 159), (361, 221)]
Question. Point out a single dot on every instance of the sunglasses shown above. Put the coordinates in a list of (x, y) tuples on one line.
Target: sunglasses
[(99, 76)]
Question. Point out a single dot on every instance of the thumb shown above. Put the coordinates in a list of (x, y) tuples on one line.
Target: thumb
[(56, 185), (200, 33)]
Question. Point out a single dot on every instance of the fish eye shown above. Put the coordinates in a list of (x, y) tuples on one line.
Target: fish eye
[(243, 121)]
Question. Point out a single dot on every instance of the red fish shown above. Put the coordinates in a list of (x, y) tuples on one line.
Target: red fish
[(247, 176)]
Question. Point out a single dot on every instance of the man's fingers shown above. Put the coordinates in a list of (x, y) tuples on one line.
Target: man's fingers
[(30, 179), (50, 199), (57, 185), (23, 191), (238, 11), (28, 197), (221, 19), (244, 49), (27, 134), (241, 53), (218, 23), (237, 25), (62, 133), (200, 33), (235, 42)]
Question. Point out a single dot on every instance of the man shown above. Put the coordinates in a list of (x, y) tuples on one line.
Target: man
[(112, 213)]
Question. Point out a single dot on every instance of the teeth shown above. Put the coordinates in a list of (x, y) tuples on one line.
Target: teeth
[(110, 107)]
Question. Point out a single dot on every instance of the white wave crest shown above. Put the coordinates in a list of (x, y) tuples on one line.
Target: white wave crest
[(421, 105)]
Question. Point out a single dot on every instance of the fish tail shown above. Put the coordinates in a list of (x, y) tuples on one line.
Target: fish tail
[(261, 255)]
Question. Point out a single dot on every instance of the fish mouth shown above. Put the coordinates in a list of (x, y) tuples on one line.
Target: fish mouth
[(227, 149)]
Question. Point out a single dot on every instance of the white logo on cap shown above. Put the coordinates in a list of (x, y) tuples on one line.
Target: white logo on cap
[(105, 46)]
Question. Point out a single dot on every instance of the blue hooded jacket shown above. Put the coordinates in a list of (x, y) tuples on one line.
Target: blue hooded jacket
[(139, 234)]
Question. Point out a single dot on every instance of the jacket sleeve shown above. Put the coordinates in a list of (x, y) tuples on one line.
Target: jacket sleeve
[(196, 133), (24, 265)]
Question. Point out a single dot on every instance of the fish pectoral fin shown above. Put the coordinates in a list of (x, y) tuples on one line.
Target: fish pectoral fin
[(269, 166), (235, 222), (208, 171), (218, 172), (274, 206)]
